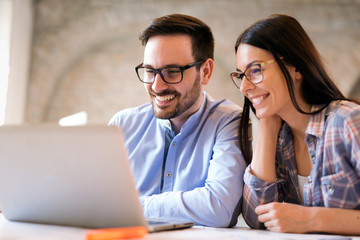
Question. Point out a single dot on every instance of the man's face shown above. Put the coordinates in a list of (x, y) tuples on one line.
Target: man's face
[(173, 101)]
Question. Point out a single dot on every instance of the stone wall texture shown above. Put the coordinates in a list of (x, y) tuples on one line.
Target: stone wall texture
[(84, 51)]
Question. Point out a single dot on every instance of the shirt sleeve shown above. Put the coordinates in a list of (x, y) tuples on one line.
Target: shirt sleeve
[(341, 183), (218, 202), (352, 139), (256, 192)]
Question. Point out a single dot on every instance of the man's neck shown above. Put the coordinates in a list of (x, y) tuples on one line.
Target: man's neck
[(179, 121)]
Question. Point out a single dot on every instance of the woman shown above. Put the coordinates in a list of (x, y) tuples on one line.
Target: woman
[(305, 171)]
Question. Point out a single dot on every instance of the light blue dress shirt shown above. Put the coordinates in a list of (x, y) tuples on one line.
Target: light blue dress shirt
[(200, 176)]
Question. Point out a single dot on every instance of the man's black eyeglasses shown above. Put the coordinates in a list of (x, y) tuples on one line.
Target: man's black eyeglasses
[(169, 74)]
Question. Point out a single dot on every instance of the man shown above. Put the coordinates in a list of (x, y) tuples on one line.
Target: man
[(183, 145)]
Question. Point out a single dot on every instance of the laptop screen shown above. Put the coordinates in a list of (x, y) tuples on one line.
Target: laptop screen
[(78, 176)]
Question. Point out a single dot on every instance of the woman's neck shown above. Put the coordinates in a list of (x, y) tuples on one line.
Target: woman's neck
[(297, 121)]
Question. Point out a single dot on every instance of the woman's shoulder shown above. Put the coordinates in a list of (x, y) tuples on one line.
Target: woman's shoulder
[(343, 113), (344, 108)]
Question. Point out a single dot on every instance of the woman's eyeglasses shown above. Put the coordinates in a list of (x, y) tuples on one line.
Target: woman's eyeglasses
[(253, 73)]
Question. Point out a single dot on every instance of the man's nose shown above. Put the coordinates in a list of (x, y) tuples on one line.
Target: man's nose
[(158, 85)]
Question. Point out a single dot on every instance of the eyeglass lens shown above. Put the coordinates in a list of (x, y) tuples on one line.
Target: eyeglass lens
[(252, 74), (169, 75)]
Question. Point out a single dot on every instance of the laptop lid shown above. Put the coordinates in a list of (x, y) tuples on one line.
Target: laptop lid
[(77, 176)]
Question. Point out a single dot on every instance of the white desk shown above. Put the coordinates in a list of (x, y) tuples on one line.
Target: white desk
[(29, 231)]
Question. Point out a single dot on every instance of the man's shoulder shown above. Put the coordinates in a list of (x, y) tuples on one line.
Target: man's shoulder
[(133, 113), (141, 109), (223, 106)]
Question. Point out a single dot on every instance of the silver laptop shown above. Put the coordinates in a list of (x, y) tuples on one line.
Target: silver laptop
[(75, 176)]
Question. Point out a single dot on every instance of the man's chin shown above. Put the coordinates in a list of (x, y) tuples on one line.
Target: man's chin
[(161, 113)]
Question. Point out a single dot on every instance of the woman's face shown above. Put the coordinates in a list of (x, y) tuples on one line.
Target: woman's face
[(270, 96)]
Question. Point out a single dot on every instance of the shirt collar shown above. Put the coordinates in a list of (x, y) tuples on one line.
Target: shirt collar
[(316, 122), (191, 122)]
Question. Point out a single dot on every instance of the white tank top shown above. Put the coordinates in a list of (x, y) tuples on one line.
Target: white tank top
[(302, 180)]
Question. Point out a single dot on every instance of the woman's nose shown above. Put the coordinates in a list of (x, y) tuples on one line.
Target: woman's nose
[(246, 85)]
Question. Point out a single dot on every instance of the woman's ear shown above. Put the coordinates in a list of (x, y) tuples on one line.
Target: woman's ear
[(298, 75), (295, 74), (206, 71)]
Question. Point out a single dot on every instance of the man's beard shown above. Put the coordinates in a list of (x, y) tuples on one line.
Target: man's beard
[(183, 104)]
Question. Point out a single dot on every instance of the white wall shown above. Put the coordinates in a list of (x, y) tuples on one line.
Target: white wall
[(5, 26), (21, 35)]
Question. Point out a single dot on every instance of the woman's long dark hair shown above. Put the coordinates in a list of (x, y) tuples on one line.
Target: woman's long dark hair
[(283, 36)]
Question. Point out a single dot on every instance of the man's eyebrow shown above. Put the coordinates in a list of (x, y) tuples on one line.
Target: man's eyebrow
[(166, 66), (147, 65), (248, 65)]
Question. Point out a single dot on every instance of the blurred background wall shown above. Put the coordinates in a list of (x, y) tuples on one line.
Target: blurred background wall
[(82, 53)]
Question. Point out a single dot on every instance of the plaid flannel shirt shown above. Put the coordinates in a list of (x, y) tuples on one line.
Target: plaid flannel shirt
[(333, 141)]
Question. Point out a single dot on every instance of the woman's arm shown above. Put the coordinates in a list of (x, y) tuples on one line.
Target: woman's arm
[(259, 178), (263, 161), (286, 217)]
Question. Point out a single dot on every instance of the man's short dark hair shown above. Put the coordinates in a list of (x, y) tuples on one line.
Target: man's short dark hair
[(200, 33)]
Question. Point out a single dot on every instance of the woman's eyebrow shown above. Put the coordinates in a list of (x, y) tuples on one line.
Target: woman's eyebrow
[(248, 65)]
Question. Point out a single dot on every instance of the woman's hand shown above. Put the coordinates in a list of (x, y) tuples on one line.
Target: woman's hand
[(263, 162), (270, 124), (286, 217)]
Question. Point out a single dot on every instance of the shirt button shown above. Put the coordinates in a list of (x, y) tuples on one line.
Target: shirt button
[(330, 189), (168, 174), (313, 157), (310, 181), (174, 144)]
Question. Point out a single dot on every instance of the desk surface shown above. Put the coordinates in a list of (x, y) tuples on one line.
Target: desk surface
[(29, 231)]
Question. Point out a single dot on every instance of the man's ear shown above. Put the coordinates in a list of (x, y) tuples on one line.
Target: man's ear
[(206, 71)]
